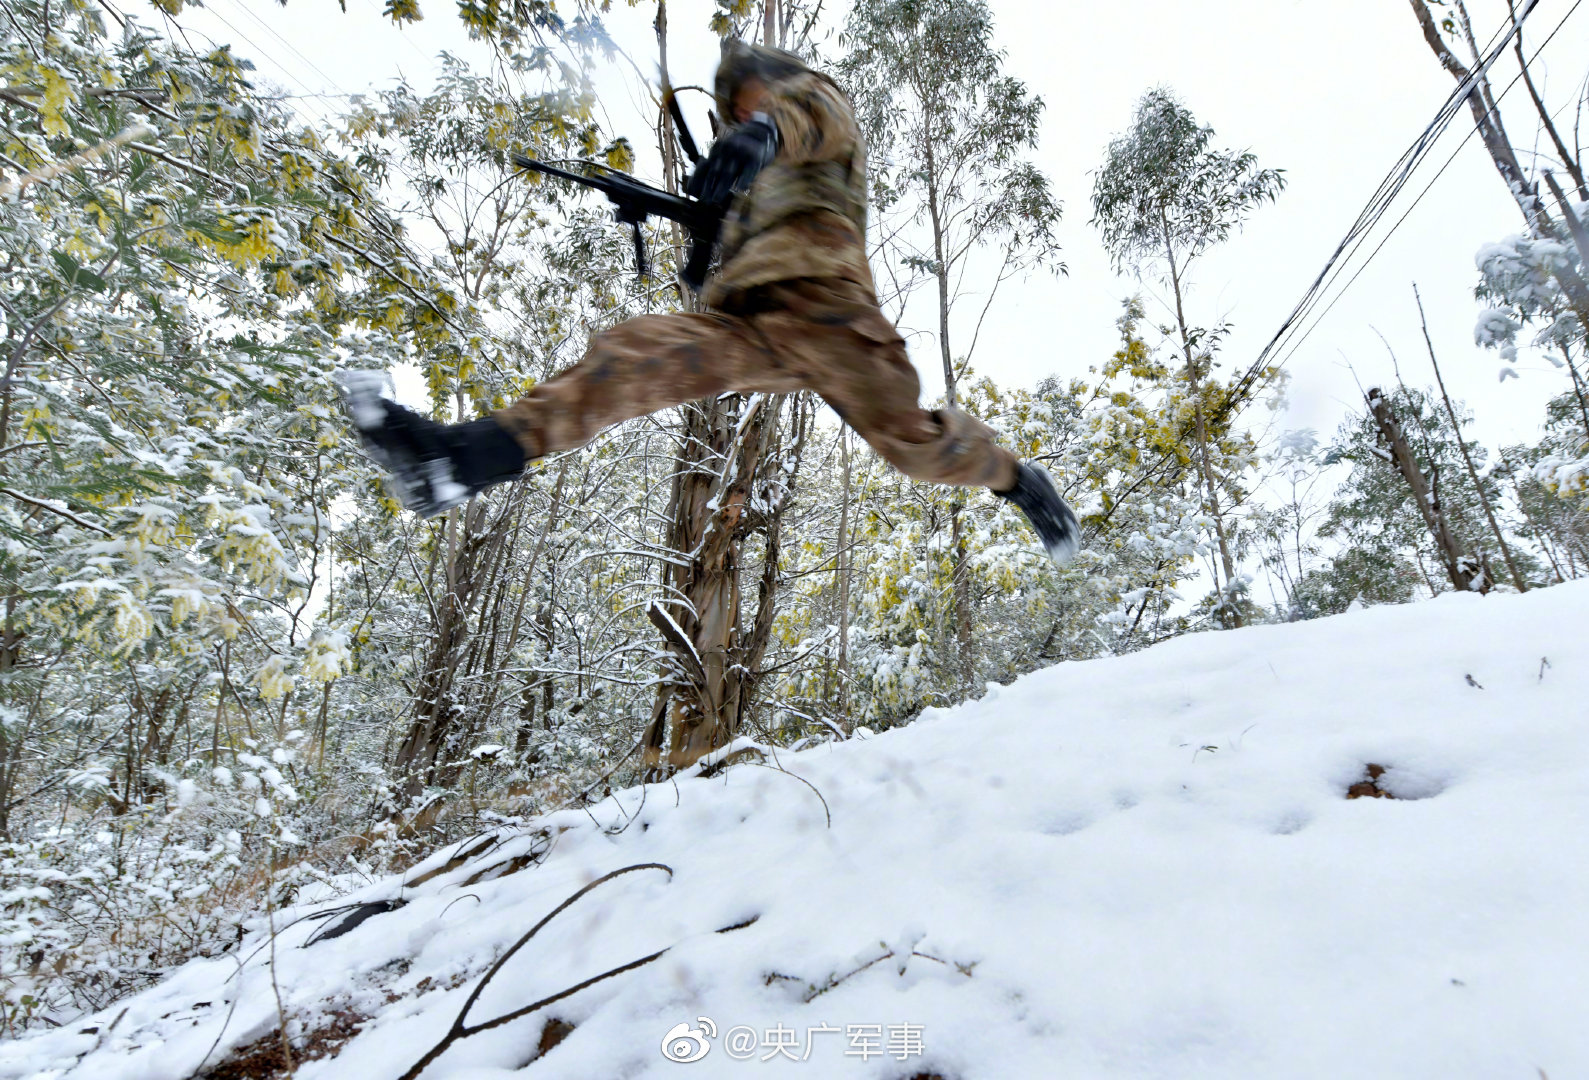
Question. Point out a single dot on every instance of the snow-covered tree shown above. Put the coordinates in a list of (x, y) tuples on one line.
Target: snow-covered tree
[(1387, 552), (955, 200), (1162, 198)]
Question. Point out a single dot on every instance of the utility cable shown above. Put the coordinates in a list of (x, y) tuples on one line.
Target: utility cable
[(1378, 203), (324, 116), (1291, 335), (245, 9), (1297, 344), (1416, 200)]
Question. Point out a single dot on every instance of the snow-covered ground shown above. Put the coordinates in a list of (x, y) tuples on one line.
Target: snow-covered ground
[(1136, 867)]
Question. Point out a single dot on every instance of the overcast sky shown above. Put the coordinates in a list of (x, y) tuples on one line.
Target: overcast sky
[(1331, 93)]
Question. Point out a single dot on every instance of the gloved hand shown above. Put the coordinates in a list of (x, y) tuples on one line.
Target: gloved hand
[(735, 159)]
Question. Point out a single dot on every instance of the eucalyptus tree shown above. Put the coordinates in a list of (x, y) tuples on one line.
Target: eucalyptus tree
[(1535, 279), (948, 132), (1389, 551), (1161, 199), (734, 472)]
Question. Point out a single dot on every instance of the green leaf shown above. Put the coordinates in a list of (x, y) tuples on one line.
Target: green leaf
[(74, 273)]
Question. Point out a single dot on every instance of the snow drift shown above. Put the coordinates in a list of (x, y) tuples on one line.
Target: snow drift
[(1135, 867)]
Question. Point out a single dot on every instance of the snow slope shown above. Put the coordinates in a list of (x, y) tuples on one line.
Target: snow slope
[(1135, 867)]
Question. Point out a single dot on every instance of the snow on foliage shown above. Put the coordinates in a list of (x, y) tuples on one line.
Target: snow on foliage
[(1520, 277)]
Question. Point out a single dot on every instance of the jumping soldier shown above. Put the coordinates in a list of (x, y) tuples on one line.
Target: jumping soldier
[(793, 308)]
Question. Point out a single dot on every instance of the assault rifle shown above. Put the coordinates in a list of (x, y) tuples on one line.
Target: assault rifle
[(634, 202)]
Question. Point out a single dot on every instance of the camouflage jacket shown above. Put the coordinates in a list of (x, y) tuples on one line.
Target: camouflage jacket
[(805, 214)]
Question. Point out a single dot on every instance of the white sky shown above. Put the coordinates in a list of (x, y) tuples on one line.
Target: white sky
[(1332, 93)]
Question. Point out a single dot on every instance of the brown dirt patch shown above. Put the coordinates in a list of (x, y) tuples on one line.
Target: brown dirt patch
[(1368, 788), (553, 1033), (262, 1058)]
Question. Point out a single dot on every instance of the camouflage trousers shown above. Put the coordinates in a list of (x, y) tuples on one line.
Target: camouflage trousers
[(824, 335)]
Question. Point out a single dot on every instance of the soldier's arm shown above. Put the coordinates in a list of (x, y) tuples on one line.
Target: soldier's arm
[(813, 118)]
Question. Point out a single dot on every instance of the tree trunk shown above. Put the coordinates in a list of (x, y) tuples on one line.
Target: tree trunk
[(1462, 570), (9, 756), (843, 571), (711, 663), (965, 660), (1575, 228), (1545, 535), (1487, 119), (1473, 473), (1231, 614), (1577, 389), (964, 665), (702, 702), (1547, 121), (941, 271), (437, 709)]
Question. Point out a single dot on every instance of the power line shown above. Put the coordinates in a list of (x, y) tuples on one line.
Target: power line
[(423, 55), (1297, 344), (1379, 202), (1291, 335), (1391, 185), (267, 56), (245, 9)]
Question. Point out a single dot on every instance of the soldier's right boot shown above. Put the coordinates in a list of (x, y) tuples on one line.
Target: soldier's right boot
[(1049, 514)]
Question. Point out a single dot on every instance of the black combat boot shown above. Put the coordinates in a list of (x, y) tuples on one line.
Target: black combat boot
[(1049, 514), (433, 467)]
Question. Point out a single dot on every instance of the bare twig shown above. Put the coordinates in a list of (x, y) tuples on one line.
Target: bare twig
[(230, 1009), (1467, 458), (778, 767), (49, 172), (52, 508), (275, 985), (462, 1030)]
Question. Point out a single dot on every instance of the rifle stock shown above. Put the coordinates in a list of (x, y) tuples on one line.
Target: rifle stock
[(635, 201)]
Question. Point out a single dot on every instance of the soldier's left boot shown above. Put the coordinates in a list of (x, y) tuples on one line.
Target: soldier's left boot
[(432, 467), (1049, 514)]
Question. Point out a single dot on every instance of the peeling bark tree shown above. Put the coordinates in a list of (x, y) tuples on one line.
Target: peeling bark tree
[(719, 499), (1492, 130), (1465, 572), (718, 502)]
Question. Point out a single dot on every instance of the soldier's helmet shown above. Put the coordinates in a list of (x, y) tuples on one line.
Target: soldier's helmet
[(742, 61)]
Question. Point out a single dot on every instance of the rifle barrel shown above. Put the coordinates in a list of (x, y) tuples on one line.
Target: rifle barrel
[(551, 170), (637, 201)]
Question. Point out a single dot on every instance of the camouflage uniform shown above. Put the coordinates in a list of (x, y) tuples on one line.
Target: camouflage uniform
[(795, 309)]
